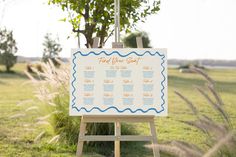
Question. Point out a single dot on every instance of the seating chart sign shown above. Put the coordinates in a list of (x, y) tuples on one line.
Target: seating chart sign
[(118, 82)]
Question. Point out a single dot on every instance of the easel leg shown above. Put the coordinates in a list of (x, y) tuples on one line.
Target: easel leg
[(156, 152), (80, 140), (117, 141)]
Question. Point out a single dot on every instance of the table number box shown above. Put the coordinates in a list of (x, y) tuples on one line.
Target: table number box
[(118, 82)]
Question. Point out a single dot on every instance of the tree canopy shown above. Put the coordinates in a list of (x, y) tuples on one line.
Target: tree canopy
[(130, 40), (7, 49), (52, 48), (96, 17)]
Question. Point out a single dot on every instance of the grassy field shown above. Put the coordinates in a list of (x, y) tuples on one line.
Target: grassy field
[(18, 128)]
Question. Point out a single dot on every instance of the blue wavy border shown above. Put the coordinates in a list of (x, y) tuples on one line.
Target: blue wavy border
[(113, 107)]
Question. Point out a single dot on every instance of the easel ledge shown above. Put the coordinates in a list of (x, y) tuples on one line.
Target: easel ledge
[(116, 118)]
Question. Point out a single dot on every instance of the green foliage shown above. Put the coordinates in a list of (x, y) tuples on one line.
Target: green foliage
[(98, 16), (68, 128), (64, 125), (130, 40), (52, 48), (7, 49)]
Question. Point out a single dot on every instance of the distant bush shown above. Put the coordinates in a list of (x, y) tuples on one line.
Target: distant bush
[(29, 68), (39, 68), (34, 68), (189, 65)]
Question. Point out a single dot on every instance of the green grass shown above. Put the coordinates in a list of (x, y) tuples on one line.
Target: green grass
[(17, 134)]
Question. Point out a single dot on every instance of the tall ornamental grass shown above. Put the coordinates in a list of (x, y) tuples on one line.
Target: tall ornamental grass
[(52, 88), (221, 136)]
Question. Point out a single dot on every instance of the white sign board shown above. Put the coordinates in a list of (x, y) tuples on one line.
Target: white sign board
[(118, 82)]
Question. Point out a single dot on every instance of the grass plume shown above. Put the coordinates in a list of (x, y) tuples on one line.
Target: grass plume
[(221, 136)]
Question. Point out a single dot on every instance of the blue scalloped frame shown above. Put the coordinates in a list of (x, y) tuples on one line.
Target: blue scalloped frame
[(74, 57)]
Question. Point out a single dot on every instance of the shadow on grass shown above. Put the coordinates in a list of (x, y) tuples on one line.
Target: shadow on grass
[(12, 74), (139, 149), (130, 149), (135, 149)]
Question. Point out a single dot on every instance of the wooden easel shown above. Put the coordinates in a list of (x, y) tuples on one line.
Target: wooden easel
[(117, 120)]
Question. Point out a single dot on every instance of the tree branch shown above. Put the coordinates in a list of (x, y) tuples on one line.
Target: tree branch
[(81, 13), (78, 31), (108, 36)]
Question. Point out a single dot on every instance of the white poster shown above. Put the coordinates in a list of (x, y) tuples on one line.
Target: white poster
[(118, 82)]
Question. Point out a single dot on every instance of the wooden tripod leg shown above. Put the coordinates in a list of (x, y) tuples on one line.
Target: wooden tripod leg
[(156, 152), (117, 140), (80, 138)]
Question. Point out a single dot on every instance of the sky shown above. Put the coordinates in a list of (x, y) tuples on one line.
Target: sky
[(189, 29)]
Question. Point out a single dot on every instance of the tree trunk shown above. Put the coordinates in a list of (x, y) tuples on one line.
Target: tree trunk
[(8, 68), (102, 35), (89, 41), (101, 43), (87, 26)]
